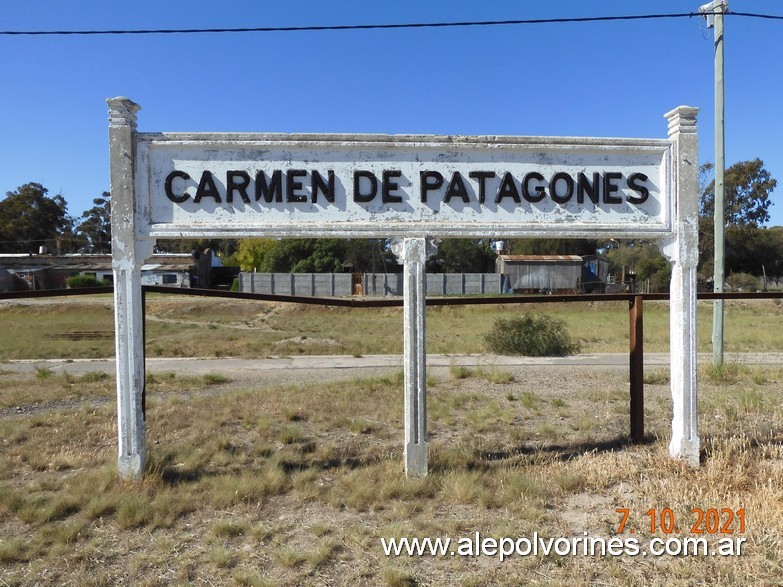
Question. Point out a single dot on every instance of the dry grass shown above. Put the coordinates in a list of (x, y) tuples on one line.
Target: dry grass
[(187, 327), (296, 485)]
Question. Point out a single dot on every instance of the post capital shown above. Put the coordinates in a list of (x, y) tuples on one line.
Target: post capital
[(682, 120), (413, 250), (122, 112)]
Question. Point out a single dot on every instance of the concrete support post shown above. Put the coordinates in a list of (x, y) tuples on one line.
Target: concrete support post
[(413, 254), (128, 255), (682, 252)]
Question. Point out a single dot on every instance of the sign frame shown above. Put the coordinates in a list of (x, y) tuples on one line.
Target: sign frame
[(136, 214), (442, 154)]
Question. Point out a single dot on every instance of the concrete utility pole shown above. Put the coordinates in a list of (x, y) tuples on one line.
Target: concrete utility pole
[(714, 12)]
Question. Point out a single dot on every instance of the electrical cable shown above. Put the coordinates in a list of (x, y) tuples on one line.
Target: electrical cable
[(356, 27)]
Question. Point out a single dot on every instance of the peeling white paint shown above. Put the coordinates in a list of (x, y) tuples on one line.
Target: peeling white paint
[(159, 191), (191, 154)]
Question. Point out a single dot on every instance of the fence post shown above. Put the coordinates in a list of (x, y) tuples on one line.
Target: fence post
[(636, 319)]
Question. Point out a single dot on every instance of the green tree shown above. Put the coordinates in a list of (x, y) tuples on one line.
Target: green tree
[(553, 246), (771, 253), (226, 247), (747, 188), (30, 219), (748, 247), (314, 255), (95, 226), (251, 253), (369, 255), (463, 255), (301, 255), (643, 259)]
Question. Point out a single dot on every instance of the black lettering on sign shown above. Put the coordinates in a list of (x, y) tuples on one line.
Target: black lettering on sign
[(561, 178), (482, 177), (237, 181), (207, 188), (177, 199), (540, 190), (430, 181), (610, 187), (508, 189), (293, 185), (272, 191), (583, 186), (388, 186), (457, 189), (325, 187), (636, 183), (358, 195)]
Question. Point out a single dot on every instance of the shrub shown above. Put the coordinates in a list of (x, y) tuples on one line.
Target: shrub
[(530, 335), (743, 282), (84, 281)]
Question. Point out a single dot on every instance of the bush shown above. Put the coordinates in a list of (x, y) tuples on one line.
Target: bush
[(530, 335), (743, 282), (84, 281)]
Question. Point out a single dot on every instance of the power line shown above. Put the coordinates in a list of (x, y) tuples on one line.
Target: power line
[(357, 27), (755, 15)]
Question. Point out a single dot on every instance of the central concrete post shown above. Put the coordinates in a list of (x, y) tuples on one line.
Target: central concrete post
[(413, 254)]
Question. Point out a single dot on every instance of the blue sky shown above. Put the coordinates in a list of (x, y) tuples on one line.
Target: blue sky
[(593, 79)]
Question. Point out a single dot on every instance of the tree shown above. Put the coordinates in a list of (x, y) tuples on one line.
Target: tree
[(251, 253), (747, 187), (749, 247), (370, 255), (463, 255), (320, 255), (95, 227), (30, 219), (226, 247), (771, 254), (294, 255), (553, 246), (642, 258)]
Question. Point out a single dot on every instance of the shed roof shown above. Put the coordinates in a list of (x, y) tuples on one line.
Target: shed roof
[(541, 258)]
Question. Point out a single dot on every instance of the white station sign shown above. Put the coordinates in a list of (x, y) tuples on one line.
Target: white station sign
[(358, 185), (200, 185)]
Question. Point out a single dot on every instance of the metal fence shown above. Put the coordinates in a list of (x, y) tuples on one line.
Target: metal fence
[(371, 284), (297, 284)]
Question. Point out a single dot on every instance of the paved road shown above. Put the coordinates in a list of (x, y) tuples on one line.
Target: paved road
[(198, 366)]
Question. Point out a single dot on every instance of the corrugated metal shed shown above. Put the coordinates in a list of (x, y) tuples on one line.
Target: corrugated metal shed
[(534, 273)]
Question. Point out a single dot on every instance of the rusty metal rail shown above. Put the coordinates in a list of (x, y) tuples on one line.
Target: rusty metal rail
[(55, 293), (635, 315), (81, 335), (390, 301)]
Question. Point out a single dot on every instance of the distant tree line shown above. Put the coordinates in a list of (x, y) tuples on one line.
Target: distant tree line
[(752, 250), (31, 218)]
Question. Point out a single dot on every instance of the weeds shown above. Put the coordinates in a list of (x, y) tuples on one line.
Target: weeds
[(656, 377), (461, 372), (297, 484), (43, 372), (216, 379)]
